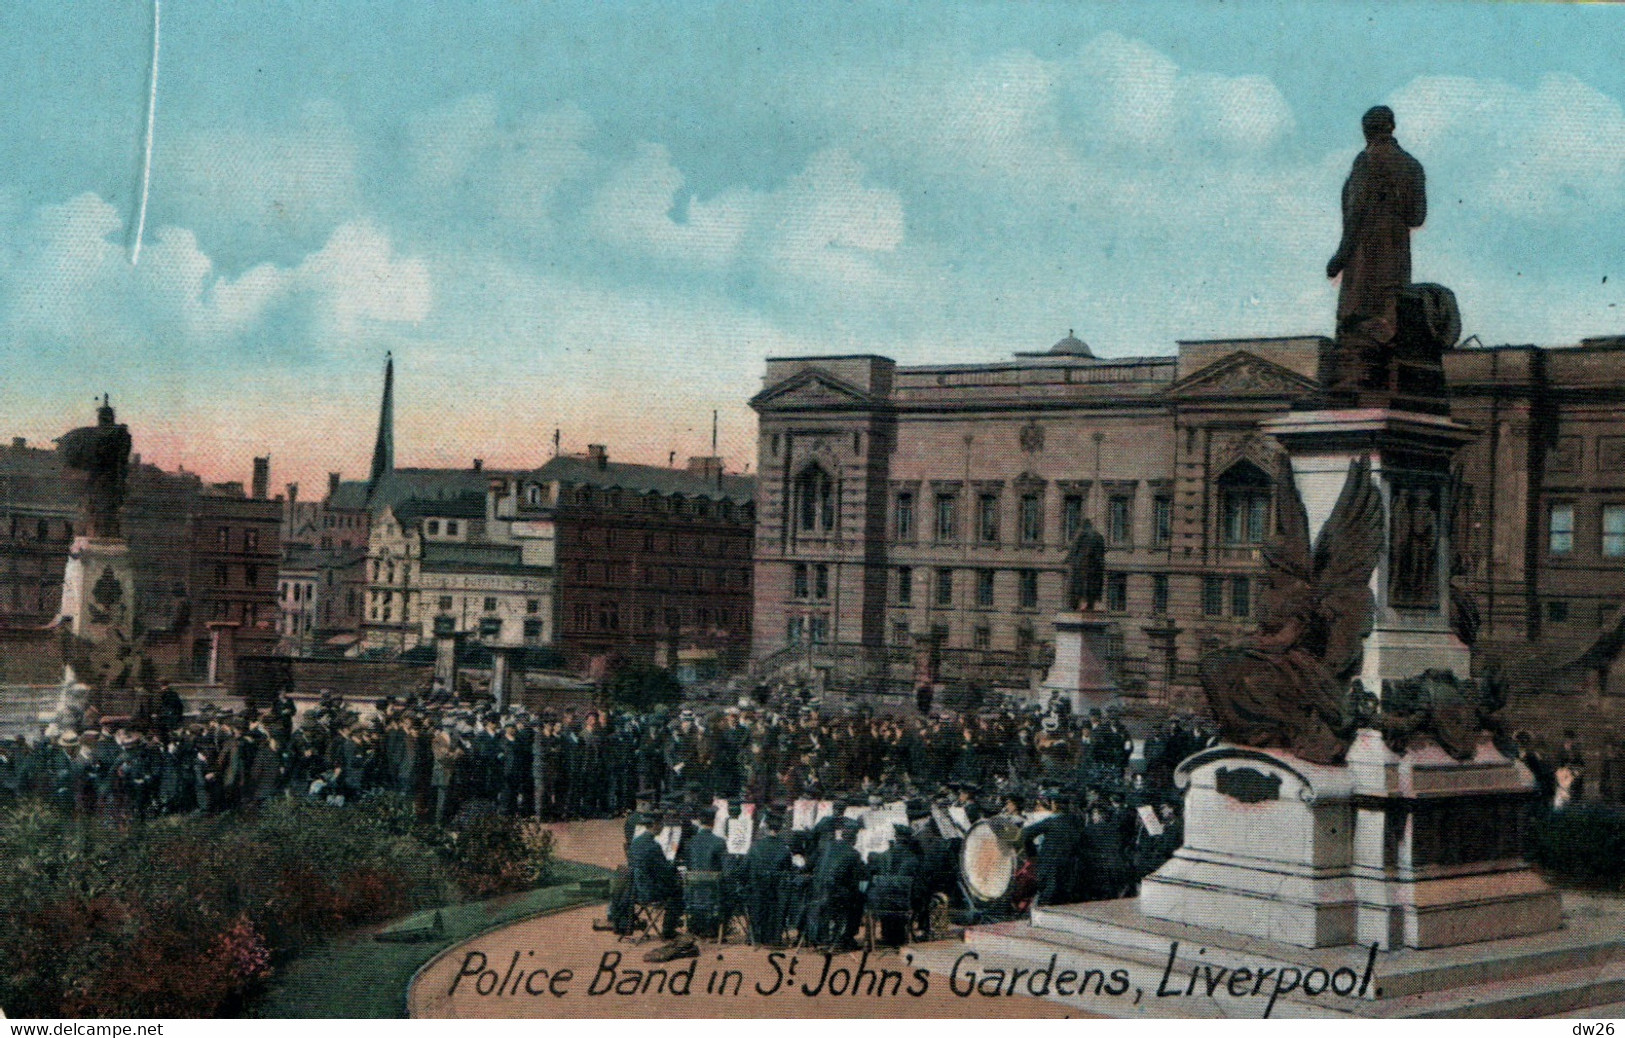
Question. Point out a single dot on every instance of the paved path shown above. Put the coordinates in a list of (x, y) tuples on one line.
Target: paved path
[(483, 978)]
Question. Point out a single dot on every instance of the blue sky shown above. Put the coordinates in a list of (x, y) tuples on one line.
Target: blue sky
[(602, 217)]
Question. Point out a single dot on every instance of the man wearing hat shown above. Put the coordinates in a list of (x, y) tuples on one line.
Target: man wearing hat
[(766, 866), (837, 893), (655, 879), (1055, 840), (896, 876)]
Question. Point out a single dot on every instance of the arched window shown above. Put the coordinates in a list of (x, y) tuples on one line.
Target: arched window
[(815, 500), (533, 495), (1244, 504)]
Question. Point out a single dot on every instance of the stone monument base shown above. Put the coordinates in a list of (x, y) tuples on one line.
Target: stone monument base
[(1080, 672), (98, 588), (1415, 850)]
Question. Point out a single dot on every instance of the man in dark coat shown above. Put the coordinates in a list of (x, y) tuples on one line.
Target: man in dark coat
[(655, 880), (766, 865), (895, 880), (704, 852), (837, 897), (1055, 841)]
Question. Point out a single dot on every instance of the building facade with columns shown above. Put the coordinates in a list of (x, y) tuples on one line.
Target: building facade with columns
[(915, 514)]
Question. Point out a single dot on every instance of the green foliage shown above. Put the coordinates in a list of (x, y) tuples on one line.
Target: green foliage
[(189, 916), (641, 687), (1582, 843)]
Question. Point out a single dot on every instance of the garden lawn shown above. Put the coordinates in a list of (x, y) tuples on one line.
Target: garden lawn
[(356, 976)]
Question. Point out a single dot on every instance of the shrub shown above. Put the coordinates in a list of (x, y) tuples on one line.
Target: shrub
[(187, 916)]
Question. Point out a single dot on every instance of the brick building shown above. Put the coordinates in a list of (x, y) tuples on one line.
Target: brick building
[(904, 506), (235, 552), (653, 563)]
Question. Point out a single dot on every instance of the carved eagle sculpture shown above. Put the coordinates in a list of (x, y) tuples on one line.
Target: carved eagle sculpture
[(1286, 688)]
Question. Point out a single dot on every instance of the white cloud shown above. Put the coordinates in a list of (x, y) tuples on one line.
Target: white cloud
[(71, 287), (1555, 151), (634, 210)]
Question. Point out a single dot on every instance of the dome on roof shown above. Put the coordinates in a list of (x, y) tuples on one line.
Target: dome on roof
[(1071, 346)]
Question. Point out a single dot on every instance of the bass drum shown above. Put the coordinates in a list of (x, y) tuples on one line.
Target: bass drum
[(990, 860)]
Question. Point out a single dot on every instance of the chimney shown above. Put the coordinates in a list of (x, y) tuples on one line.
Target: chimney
[(293, 493), (479, 463), (332, 483), (19, 442), (598, 454), (262, 477)]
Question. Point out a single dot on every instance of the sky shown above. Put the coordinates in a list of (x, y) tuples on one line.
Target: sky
[(601, 218)]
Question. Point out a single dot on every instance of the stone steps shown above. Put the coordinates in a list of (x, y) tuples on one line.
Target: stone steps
[(1580, 967)]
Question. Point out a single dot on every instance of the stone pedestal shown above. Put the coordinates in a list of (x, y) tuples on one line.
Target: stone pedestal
[(1410, 461), (1400, 851), (1080, 671), (98, 589)]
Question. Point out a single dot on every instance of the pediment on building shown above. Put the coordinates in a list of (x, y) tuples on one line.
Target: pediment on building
[(812, 388), (1241, 374)]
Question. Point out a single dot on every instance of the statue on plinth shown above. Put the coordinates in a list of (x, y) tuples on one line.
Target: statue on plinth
[(1384, 197), (1287, 687), (102, 451), (1085, 568)]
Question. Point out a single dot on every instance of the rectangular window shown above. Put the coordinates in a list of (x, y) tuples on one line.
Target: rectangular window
[(251, 540), (1561, 530), (820, 629), (802, 583), (1212, 596), (533, 630), (533, 605), (433, 527), (1024, 639), (905, 585), (1027, 580), (792, 629), (1117, 592), (1120, 520), (451, 527), (1613, 531), (905, 516), (1032, 518), (222, 538), (982, 638), (445, 603), (899, 632), (820, 581), (490, 605), (947, 517), (1241, 597), (945, 587), (1246, 515), (1557, 611), (984, 588), (987, 518), (1159, 594), (1071, 516), (1162, 520)]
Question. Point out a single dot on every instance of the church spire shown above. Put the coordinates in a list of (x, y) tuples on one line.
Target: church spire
[(383, 452)]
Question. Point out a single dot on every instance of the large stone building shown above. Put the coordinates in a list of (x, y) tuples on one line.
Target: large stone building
[(905, 511)]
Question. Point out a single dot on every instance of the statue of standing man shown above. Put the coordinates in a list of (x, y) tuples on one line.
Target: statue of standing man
[(1086, 568), (1384, 197)]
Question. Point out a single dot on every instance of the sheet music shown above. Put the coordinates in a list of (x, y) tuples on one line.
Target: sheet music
[(803, 814), (1149, 819), (719, 824), (739, 832), (825, 809), (945, 824), (872, 841), (961, 819), (668, 840)]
